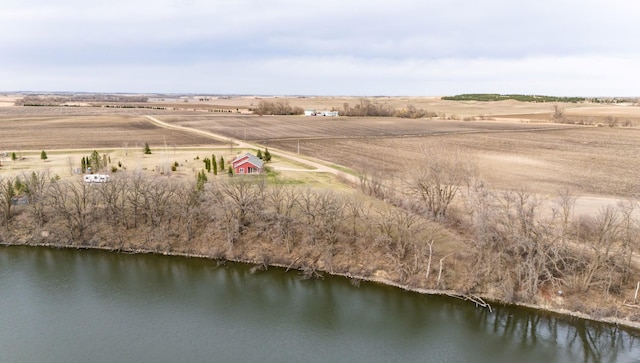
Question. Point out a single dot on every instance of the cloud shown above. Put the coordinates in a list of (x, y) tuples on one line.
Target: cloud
[(328, 47)]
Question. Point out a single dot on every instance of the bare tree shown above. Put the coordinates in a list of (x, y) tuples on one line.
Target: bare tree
[(399, 233), (598, 234), (189, 202), (355, 210), (516, 247), (565, 204), (245, 196), (629, 232), (135, 195), (38, 187), (282, 200), (330, 210), (74, 204), (159, 200), (439, 176), (308, 203), (7, 192), (558, 113)]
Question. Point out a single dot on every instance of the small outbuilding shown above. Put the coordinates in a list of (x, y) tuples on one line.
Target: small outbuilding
[(247, 164), (326, 113), (96, 178)]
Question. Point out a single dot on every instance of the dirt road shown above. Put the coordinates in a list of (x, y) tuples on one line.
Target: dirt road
[(317, 166), (587, 205)]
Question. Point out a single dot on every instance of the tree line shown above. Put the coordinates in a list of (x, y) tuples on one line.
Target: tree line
[(520, 246), (242, 217), (280, 107), (57, 100), (367, 108), (523, 98), (510, 242)]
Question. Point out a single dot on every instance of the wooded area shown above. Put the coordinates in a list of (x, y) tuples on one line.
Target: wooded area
[(510, 244)]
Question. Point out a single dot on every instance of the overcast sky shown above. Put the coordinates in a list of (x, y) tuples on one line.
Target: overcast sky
[(322, 47)]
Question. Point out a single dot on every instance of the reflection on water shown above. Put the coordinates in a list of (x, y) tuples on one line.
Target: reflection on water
[(92, 306)]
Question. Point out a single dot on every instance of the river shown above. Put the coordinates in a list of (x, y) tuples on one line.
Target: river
[(94, 306)]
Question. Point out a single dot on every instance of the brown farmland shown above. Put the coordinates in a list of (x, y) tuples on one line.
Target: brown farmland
[(516, 153), (21, 132), (539, 157)]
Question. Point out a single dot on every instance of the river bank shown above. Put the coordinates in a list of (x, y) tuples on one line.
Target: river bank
[(481, 301), (495, 254)]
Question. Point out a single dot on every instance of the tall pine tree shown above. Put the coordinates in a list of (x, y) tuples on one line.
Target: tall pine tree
[(267, 155)]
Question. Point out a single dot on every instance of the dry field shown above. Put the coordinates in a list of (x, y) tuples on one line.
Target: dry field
[(588, 160), (268, 129), (511, 153), (540, 157), (26, 131), (435, 104)]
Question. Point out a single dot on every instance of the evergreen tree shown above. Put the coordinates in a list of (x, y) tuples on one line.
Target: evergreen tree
[(147, 150), (215, 166), (267, 155), (221, 163), (20, 187), (230, 171), (259, 154), (14, 157), (200, 180), (96, 160), (83, 164), (43, 155)]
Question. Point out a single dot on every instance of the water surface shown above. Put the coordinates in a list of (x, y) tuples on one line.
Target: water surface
[(93, 306)]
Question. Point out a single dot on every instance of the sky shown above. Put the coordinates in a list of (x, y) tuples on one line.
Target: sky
[(322, 47)]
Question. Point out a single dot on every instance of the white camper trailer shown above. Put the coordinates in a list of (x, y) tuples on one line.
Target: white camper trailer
[(96, 178)]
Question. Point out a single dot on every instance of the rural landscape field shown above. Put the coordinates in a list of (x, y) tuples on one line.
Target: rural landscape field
[(516, 144), (535, 162)]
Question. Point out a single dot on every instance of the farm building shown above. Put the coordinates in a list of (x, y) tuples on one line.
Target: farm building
[(322, 113), (247, 164)]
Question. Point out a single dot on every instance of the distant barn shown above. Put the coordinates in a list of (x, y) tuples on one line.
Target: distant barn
[(322, 113)]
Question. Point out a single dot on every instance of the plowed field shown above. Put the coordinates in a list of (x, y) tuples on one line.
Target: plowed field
[(20, 133)]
